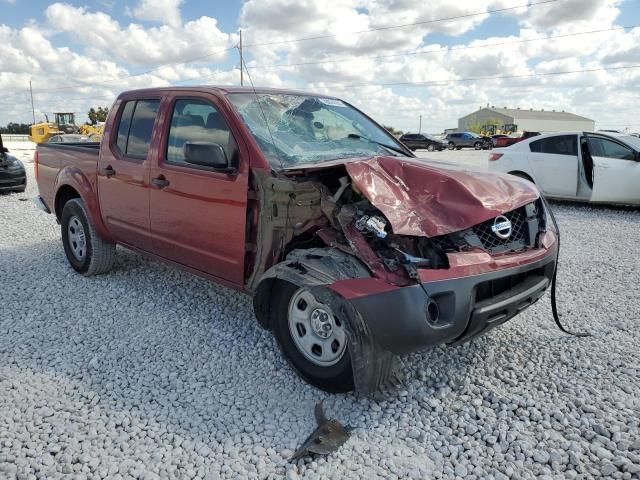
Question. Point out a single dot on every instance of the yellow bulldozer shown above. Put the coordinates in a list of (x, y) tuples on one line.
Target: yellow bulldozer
[(94, 132), (493, 129), (64, 123)]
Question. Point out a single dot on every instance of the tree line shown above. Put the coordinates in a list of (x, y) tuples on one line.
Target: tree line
[(16, 128)]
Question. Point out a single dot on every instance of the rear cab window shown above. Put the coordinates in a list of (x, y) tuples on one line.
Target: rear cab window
[(136, 127)]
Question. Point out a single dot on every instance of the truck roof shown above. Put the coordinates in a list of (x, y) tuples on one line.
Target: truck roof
[(225, 89)]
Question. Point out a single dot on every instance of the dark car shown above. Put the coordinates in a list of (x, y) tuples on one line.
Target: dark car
[(467, 139), (415, 141), (12, 175)]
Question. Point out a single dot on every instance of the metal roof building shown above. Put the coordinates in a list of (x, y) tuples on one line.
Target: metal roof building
[(527, 119)]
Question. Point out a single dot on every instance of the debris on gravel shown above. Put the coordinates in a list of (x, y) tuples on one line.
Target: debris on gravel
[(149, 372)]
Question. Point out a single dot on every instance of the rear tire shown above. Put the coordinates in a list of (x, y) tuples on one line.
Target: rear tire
[(430, 147), (86, 252), (290, 320), (477, 146)]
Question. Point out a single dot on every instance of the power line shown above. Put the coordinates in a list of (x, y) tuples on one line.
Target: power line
[(390, 27), (442, 82), (443, 49), (471, 79)]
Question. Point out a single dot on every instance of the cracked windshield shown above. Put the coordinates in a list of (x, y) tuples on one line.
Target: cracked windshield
[(293, 130)]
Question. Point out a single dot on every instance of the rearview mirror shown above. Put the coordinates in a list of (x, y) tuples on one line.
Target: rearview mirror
[(210, 155)]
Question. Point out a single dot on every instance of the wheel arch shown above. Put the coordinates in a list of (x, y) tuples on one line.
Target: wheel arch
[(70, 183), (317, 269), (311, 267), (521, 174), (63, 195)]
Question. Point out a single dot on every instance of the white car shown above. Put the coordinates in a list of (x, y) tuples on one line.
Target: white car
[(589, 167)]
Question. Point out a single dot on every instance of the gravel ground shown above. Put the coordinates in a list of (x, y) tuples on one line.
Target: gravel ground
[(149, 372)]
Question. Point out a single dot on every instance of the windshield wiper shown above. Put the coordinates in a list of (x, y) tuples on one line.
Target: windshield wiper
[(390, 147)]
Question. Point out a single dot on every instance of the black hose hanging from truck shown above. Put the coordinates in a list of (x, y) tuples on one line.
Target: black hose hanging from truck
[(554, 306)]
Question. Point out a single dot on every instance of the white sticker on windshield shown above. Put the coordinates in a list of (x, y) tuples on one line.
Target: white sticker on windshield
[(333, 102)]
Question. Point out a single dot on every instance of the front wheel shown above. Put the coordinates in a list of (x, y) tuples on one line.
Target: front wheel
[(450, 146), (477, 146), (312, 337), (431, 147), (86, 252)]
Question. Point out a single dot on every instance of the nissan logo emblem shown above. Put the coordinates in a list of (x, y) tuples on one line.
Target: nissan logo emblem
[(502, 227)]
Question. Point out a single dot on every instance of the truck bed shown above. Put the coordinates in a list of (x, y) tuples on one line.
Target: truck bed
[(52, 157)]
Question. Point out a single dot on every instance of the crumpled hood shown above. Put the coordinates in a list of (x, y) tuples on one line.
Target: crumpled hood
[(424, 199)]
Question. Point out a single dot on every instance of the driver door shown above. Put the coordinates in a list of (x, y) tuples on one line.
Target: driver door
[(616, 171), (198, 214)]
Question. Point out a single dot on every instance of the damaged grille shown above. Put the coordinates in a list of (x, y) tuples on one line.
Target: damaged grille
[(526, 223), (516, 241)]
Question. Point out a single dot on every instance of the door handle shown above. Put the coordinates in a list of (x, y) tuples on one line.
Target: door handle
[(108, 171), (160, 182)]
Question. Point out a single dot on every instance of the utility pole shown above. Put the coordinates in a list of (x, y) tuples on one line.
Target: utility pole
[(241, 61), (420, 127), (33, 110)]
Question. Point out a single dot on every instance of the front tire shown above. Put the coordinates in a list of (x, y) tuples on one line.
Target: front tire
[(451, 146), (477, 146), (312, 338), (86, 252), (430, 147)]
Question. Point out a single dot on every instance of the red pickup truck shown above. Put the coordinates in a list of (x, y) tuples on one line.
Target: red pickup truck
[(354, 251), (506, 141)]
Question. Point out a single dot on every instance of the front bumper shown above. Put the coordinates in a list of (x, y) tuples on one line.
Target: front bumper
[(12, 179), (450, 310)]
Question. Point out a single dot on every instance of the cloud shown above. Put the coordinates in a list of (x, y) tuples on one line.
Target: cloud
[(340, 18), (164, 11), (102, 36), (572, 15)]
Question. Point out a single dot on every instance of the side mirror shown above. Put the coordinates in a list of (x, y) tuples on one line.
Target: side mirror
[(210, 155)]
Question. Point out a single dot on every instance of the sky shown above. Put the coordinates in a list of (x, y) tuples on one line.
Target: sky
[(397, 60)]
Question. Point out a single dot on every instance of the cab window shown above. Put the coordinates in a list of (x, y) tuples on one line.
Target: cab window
[(198, 121)]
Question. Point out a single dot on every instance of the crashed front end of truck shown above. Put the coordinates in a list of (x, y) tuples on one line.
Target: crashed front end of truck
[(406, 254)]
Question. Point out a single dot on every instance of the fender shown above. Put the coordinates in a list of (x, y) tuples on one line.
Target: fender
[(75, 178)]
